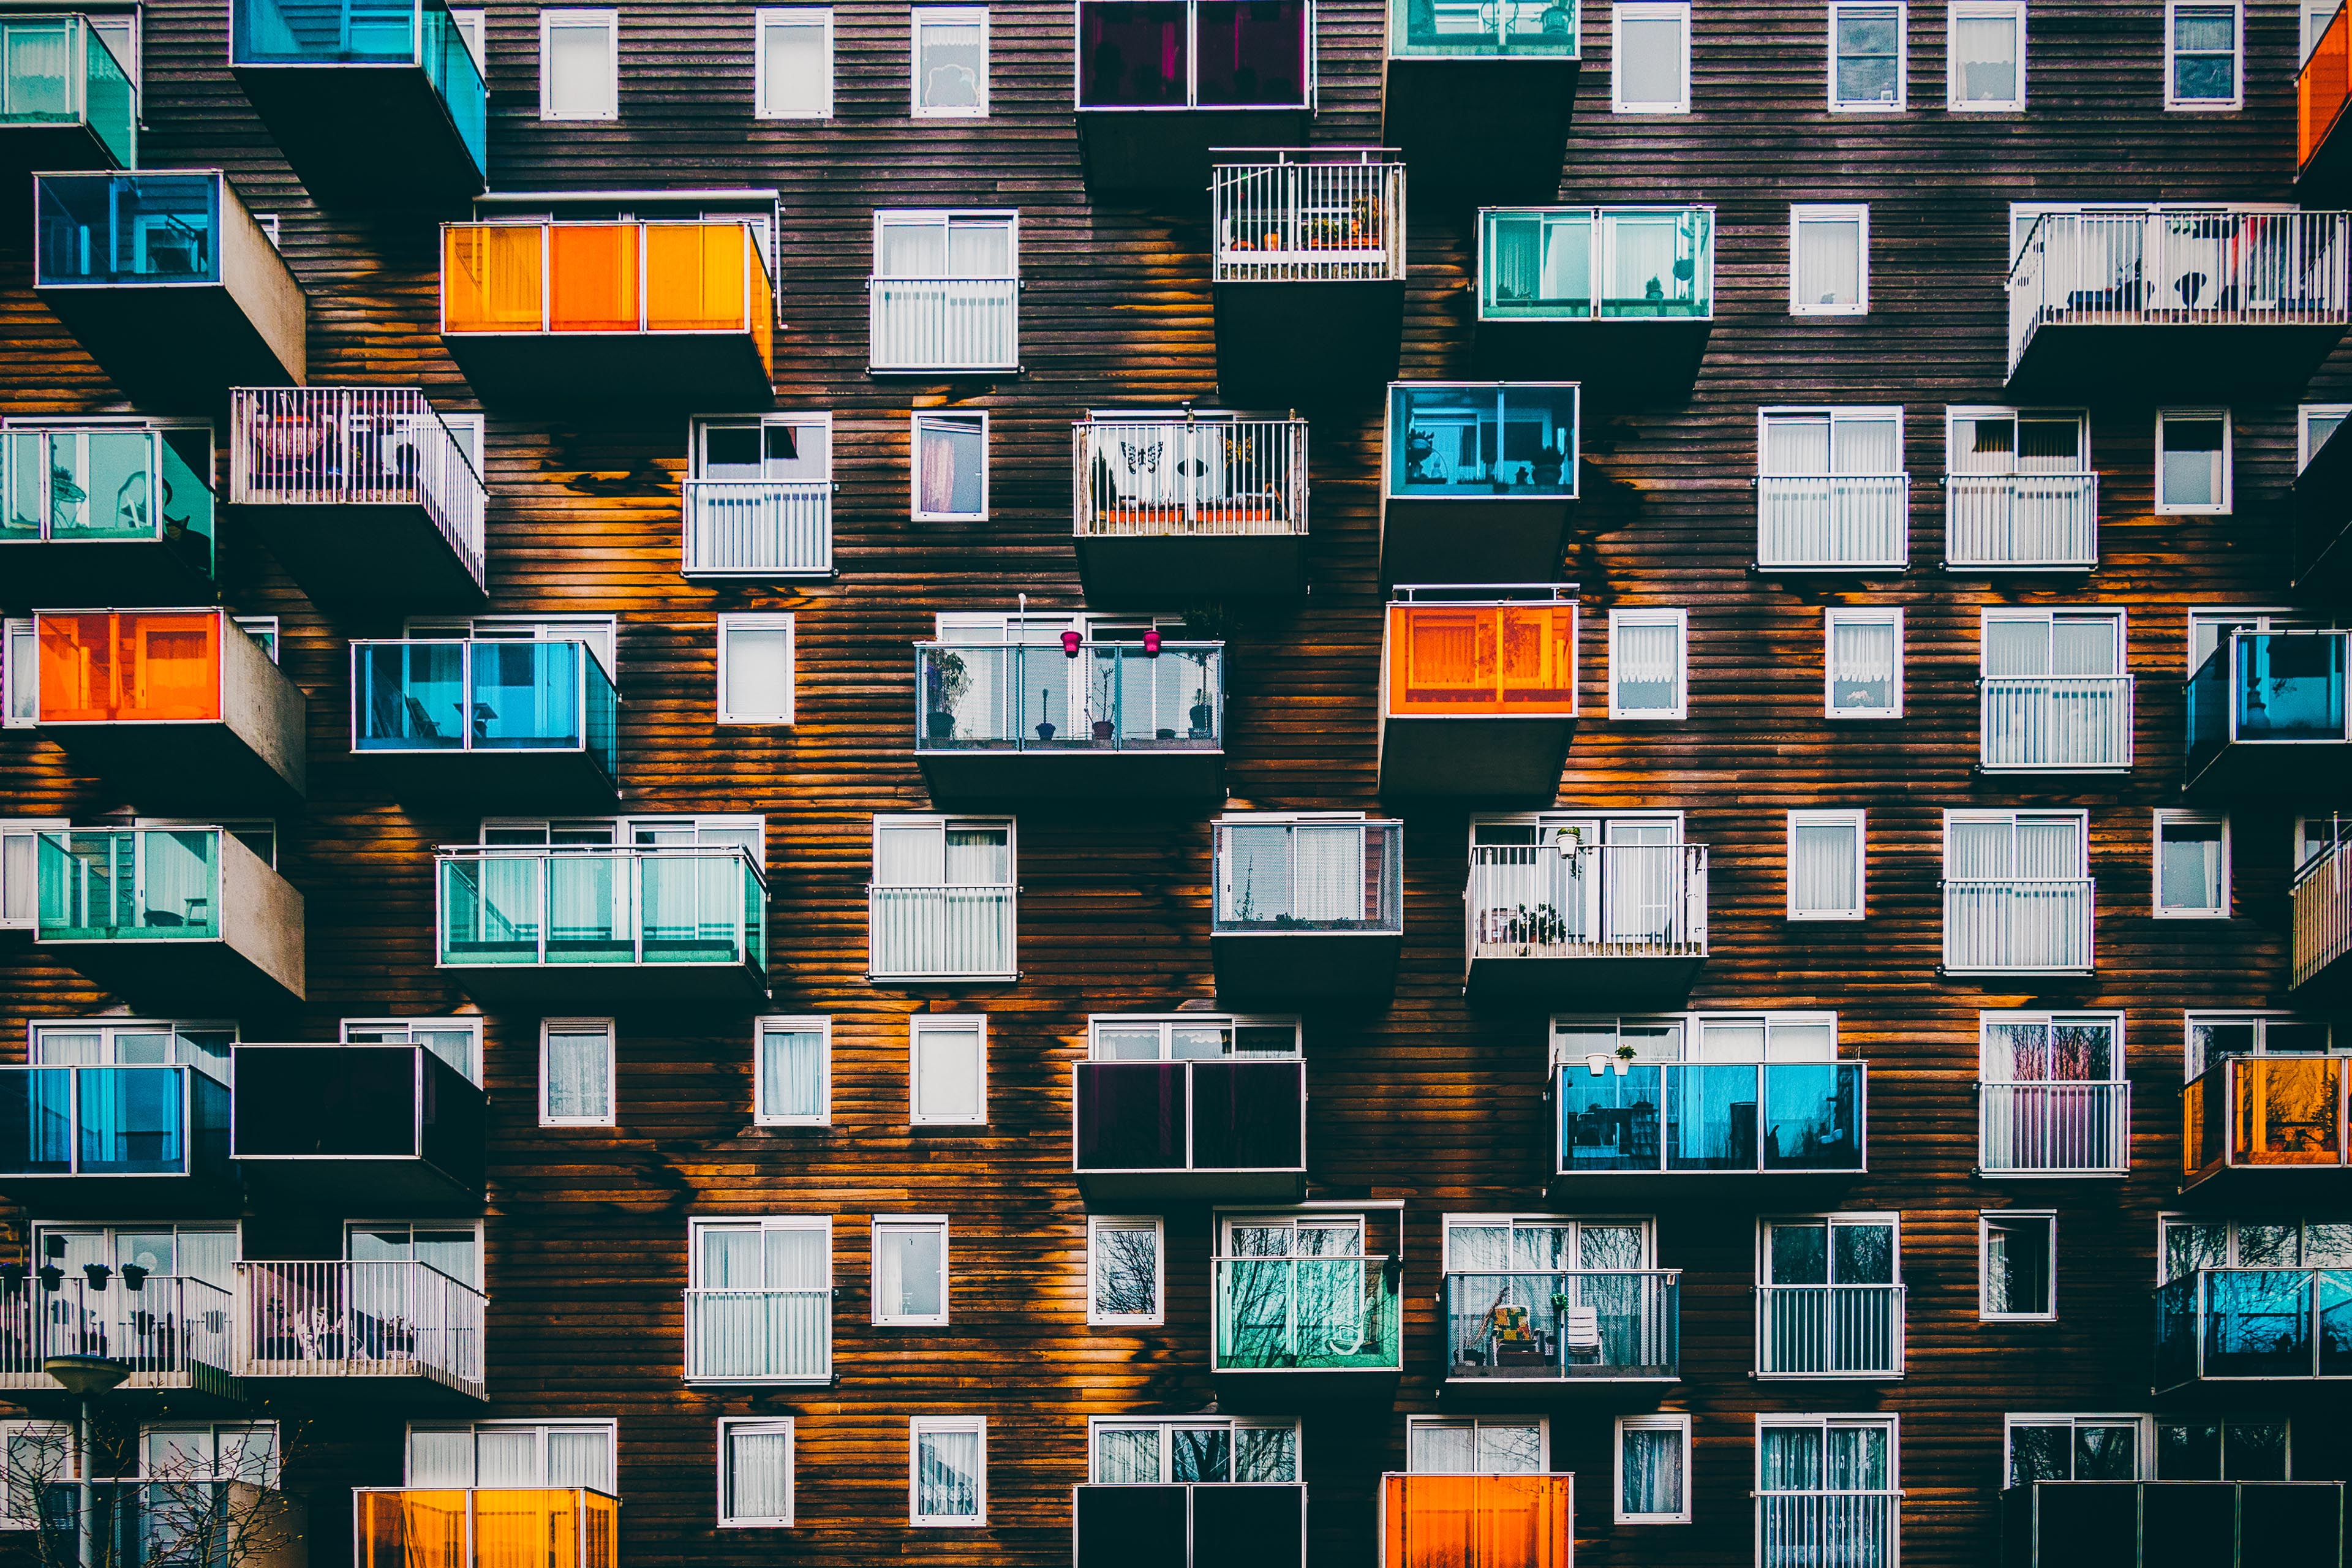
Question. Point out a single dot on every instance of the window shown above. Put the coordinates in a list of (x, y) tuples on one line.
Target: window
[(2054, 694), (1822, 1477), (2017, 1260), (2316, 836), (755, 1474), (575, 1072), (2052, 1098), (579, 64), (2019, 489), (793, 79), (2192, 865), (950, 482), (199, 1252), (600, 634), (2119, 1449), (127, 1042), (950, 62), (2190, 1245), (1649, 48), (511, 1454), (947, 1479), (20, 867), (1831, 489), (1828, 260), (473, 28), (210, 1451), (1123, 1270), (20, 691), (1988, 54), (943, 898), (1188, 1037), (1486, 1445), (457, 1041), (910, 1270), (1825, 865), (755, 670), (451, 1247), (759, 1306), (1653, 1455), (1866, 72), (38, 1455), (946, 1069), (2317, 15), (759, 497), (1647, 675), (792, 1072), (1830, 1291), (2315, 423), (2192, 462), (2201, 42), (2191, 1448), (1125, 1451), (1699, 1037), (2074, 1448), (2211, 1037), (1862, 664)]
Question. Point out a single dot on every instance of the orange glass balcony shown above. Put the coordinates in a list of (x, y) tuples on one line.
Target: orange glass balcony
[(1481, 691), (2265, 1112), (487, 1527), (1478, 1522), (2323, 148)]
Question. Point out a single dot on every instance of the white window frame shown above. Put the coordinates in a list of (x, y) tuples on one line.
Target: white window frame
[(575, 16), (1167, 1023), (473, 23), (763, 621), (1986, 1219), (818, 1024), (937, 1222), (916, 1425), (612, 1071), (1840, 212), (1675, 1421), (2141, 1422), (917, 1026), (1963, 10), (69, 1468), (2305, 446), (2237, 99), (1680, 620), (1891, 1421), (1859, 821), (1542, 1424), (541, 1431), (1232, 1425), (2165, 816), (29, 828), (1678, 11), (944, 416), (946, 821), (2193, 1061), (767, 16), (1901, 59), (1836, 615), (728, 1426), (466, 1023), (1096, 1225), (2228, 463), (20, 673), (949, 16)]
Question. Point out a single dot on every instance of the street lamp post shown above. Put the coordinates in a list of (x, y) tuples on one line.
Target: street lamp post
[(86, 1377)]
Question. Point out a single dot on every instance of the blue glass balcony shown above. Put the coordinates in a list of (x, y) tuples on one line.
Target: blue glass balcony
[(66, 100), (177, 913), (1720, 1118), (537, 717), (104, 517), (2254, 1324), (1479, 481), (2267, 712), (1010, 719), (79, 1140)]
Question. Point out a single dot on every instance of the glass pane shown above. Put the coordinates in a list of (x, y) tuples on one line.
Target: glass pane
[(951, 63)]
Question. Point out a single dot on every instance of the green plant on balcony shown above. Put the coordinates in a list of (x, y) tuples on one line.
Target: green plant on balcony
[(946, 679), (1542, 926)]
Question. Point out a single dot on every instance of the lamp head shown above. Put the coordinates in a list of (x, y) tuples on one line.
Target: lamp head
[(86, 1375)]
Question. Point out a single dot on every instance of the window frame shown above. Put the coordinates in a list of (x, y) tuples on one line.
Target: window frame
[(30, 828), (2306, 448), (69, 1468), (473, 25), (2143, 1424), (1232, 1425), (551, 17), (1647, 11), (917, 1026), (766, 17), (1097, 1223), (2237, 99), (944, 418), (1859, 819), (954, 16), (2118, 1063), (2165, 816), (20, 673), (946, 821), (763, 620), (819, 1024), (1677, 1421), (1892, 1421), (1679, 619), (880, 1222), (2165, 508), (1986, 1219), (543, 1427), (1834, 616), (1799, 213), (1957, 11), (1542, 1424), (728, 1426), (610, 1026), (916, 1425), (1902, 100)]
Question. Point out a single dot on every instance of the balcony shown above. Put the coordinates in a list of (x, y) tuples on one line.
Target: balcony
[(1851, 1331), (171, 1332), (1477, 1521), (744, 1337), (1561, 1328), (533, 722), (1189, 504), (943, 326), (401, 1330), (620, 922), (1191, 1130), (115, 515), (2097, 298), (1309, 266), (1330, 1325), (759, 528), (2322, 519), (361, 1125), (1213, 1524), (2053, 1128), (1480, 477), (2322, 901), (491, 1526), (607, 313), (2266, 713), (1110, 721), (1479, 97), (110, 1140), (187, 915), (1480, 692), (169, 283), (2017, 925), (1639, 1120), (1161, 82), (1587, 925), (2171, 1524), (947, 932), (1833, 522), (375, 102), (1620, 297), (362, 494), (2271, 1114), (1308, 909), (2021, 522), (2323, 147), (2054, 723), (180, 704), (2267, 1325), (66, 101)]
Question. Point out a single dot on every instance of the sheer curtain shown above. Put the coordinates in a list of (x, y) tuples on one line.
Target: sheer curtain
[(1868, 446), (1442, 1449), (1650, 59), (907, 1264), (1797, 445), (1330, 872), (1825, 863), (439, 1458), (1650, 1463), (1861, 663), (580, 1458), (1646, 657), (1126, 1456), (1986, 49), (579, 1081), (792, 1072), (947, 1467), (948, 1073), (1828, 260), (759, 1474), (1641, 251), (1255, 887)]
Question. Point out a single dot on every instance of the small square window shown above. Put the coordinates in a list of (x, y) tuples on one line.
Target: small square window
[(755, 1474), (2202, 59), (2019, 1265), (575, 1072), (2192, 865), (951, 467), (1988, 55), (2192, 462), (1653, 1455), (1649, 46), (794, 69), (1867, 58), (950, 62), (579, 64), (947, 1077), (1828, 260), (1863, 660), (1647, 675), (910, 1270), (1825, 865), (755, 670), (947, 1472), (2315, 423), (1123, 1270), (792, 1072)]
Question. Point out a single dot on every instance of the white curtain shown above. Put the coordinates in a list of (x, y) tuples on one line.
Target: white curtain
[(438, 1457), (1652, 1465), (1828, 260), (508, 1456), (1331, 875), (39, 71), (582, 73), (1442, 1448), (1646, 659), (2191, 461), (1862, 653), (2086, 645), (1126, 1456), (947, 1470), (912, 249), (948, 1073), (1871, 445), (1567, 266), (2019, 646), (1986, 50), (759, 672), (579, 1082), (1797, 445), (1823, 868), (979, 247), (910, 855), (907, 1266), (1642, 252), (792, 1072), (759, 1474), (580, 1458)]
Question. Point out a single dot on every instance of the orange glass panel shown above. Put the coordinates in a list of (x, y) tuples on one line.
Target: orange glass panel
[(2324, 83), (491, 277), (694, 276), (2290, 1111), (412, 1529), (592, 276), (2202, 1121), (1453, 660), (600, 1524), (1480, 1521), (135, 668)]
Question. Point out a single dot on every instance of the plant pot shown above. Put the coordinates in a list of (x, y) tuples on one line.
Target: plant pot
[(1203, 717), (1168, 734), (1045, 729), (942, 726), (1104, 729), (1596, 1064)]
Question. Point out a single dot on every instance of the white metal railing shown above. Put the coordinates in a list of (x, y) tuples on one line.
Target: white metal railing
[(2054, 723), (166, 1330), (1131, 477), (373, 1319), (2323, 910), (2201, 266), (752, 528), (759, 1336), (2038, 1129), (1826, 1529), (944, 323), (920, 931), (1995, 521), (1829, 1331), (355, 446), (1590, 900), (2021, 924), (1333, 215), (1811, 520)]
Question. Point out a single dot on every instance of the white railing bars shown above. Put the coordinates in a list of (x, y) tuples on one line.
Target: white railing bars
[(1331, 215)]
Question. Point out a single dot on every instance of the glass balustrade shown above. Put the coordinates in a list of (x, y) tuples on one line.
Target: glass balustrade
[(1484, 439), (1306, 1314), (1483, 29), (140, 1120), (1191, 1116), (602, 906), (1577, 1323), (571, 1527), (1607, 264), (59, 71), (434, 696), (1036, 698), (1712, 1116), (418, 33), (130, 884), (103, 486), (2271, 1324), (128, 229)]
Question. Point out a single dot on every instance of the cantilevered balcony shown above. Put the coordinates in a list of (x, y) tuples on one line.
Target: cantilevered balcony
[(66, 101), (1232, 1128), (1478, 692), (2052, 1128), (1180, 503), (1309, 268), (2018, 925), (1623, 1124), (1826, 1331), (523, 722), (1102, 722), (568, 922), (2054, 723), (1562, 1327), (573, 313), (1477, 1521), (2267, 1125), (362, 494), (2322, 901), (343, 1330), (388, 1126), (1587, 926), (489, 1527), (1620, 297), (176, 705), (1295, 1326), (2021, 522), (375, 102), (170, 284), (185, 915), (747, 1337), (1190, 1524), (1161, 82), (1479, 481), (2173, 302), (102, 515), (2267, 713), (172, 1331), (2322, 90), (2323, 513), (149, 1139), (1479, 95), (2253, 1325), (2170, 1524), (1307, 909)]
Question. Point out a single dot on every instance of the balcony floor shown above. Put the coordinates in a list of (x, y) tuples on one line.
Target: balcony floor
[(1480, 132), (1737, 1192), (324, 1388), (1275, 966), (2273, 767), (168, 974), (558, 371), (1619, 362), (366, 554), (364, 135), (1147, 568), (1585, 984), (536, 781), (360, 1182), (2159, 360), (1082, 771), (1503, 762), (191, 767)]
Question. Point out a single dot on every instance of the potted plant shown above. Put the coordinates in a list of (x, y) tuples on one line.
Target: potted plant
[(1045, 726), (1203, 713), (946, 679), (1625, 1059)]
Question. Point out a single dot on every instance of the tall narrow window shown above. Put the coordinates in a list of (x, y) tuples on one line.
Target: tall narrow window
[(951, 467), (948, 1470), (38, 1455), (1828, 260), (1863, 655), (1647, 675), (942, 899), (1813, 1469), (20, 844), (579, 64), (2052, 1098), (1653, 1469), (793, 1072), (794, 77), (575, 1072), (2202, 67), (910, 1270), (946, 1069), (1649, 43), (20, 699), (950, 46), (1866, 58), (755, 670), (2192, 865), (2019, 1259), (2192, 461), (1825, 865), (1123, 1270), (1988, 55), (755, 1474)]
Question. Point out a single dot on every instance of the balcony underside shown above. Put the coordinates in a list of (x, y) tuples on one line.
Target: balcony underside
[(1084, 772), (190, 765), (1129, 567), (85, 572), (175, 347), (2326, 180), (366, 135), (185, 1391), (2275, 767), (1632, 1386), (2172, 1524), (98, 1198), (2228, 1187), (1480, 132), (539, 780), (1506, 761), (28, 150), (1140, 153), (719, 985), (2160, 361), (2323, 518), (1257, 1525), (1729, 1191), (1357, 966), (1472, 539), (1599, 984), (157, 976), (389, 555), (1289, 1388), (1105, 1188), (1617, 361), (614, 370), (323, 1388), (1278, 342), (351, 1184)]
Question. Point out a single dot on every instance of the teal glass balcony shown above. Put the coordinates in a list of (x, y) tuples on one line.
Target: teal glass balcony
[(376, 103), (1711, 1118), (65, 100), (79, 1139), (179, 913), (1468, 29), (2254, 1324), (1308, 1315), (625, 921), (1013, 720), (106, 516), (1596, 264), (537, 718), (2267, 712)]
